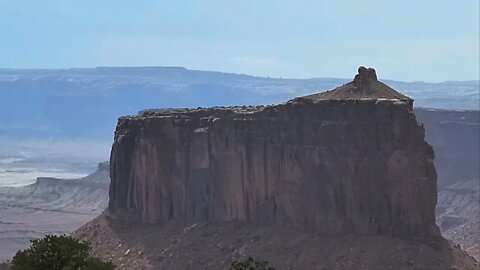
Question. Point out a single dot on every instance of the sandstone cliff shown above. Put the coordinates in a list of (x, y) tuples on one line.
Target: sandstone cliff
[(324, 163), (455, 137)]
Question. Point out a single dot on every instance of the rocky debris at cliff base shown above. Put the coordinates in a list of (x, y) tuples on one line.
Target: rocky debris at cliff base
[(458, 214), (213, 246)]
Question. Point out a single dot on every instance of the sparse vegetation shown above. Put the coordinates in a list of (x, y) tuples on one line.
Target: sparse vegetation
[(58, 253), (251, 264)]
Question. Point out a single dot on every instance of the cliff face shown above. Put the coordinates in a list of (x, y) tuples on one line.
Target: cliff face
[(455, 137), (315, 164)]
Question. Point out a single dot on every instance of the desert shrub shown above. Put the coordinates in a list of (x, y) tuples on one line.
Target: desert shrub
[(251, 264), (58, 253)]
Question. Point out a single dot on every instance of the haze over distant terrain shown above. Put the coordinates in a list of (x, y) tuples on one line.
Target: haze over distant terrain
[(22, 161), (85, 103), (314, 164), (59, 123)]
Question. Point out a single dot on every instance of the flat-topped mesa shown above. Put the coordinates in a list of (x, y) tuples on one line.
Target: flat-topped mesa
[(365, 85), (330, 165)]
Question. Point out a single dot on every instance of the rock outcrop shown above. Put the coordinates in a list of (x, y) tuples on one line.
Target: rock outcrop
[(365, 85), (455, 137), (352, 160)]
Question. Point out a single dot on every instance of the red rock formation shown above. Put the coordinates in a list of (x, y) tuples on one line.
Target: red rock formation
[(315, 163)]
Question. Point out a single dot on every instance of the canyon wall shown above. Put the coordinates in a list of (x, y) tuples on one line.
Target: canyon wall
[(332, 166), (455, 137)]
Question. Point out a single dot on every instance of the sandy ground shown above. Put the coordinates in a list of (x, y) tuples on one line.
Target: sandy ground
[(49, 206), (20, 224)]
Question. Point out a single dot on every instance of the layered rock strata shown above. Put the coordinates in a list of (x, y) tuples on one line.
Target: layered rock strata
[(455, 136), (330, 164)]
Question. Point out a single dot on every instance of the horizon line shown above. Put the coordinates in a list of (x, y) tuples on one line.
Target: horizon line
[(217, 71)]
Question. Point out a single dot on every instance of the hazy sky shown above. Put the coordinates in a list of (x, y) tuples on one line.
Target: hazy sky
[(430, 40)]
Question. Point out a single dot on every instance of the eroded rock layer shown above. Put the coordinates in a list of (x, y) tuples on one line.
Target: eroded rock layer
[(331, 166)]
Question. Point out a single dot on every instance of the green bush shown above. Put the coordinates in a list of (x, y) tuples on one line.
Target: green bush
[(251, 264), (58, 253)]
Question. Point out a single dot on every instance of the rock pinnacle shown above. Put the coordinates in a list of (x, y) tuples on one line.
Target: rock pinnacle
[(364, 76)]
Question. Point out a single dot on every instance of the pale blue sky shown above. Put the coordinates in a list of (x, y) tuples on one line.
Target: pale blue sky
[(430, 40)]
